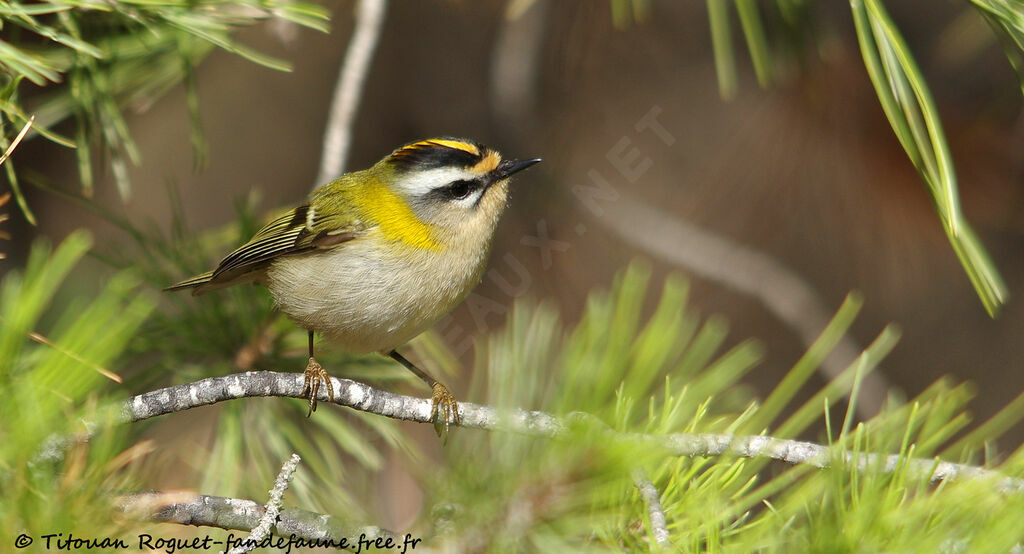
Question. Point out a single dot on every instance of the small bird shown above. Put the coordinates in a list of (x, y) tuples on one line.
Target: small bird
[(377, 256)]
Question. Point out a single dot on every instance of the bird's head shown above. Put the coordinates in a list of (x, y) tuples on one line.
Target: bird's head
[(459, 186)]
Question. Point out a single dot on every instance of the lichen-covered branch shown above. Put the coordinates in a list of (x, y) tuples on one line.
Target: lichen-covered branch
[(347, 393), (655, 512), (368, 399), (202, 510), (272, 509)]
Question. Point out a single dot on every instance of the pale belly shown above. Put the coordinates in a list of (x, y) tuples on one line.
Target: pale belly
[(367, 304)]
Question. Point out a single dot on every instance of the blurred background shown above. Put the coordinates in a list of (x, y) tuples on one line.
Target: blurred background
[(643, 158)]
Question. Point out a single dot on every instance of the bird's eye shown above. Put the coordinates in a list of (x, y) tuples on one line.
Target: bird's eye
[(459, 189)]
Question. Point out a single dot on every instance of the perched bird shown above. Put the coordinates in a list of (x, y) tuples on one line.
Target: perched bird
[(378, 256)]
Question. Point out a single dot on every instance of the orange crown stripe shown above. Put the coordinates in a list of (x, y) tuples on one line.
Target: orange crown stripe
[(488, 164)]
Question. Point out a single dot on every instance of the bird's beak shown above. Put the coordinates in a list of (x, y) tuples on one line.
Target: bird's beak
[(506, 168)]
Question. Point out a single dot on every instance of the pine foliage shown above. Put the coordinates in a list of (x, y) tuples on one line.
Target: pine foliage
[(89, 61), (56, 381), (630, 376)]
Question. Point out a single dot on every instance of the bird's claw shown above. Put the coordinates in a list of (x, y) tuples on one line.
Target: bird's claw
[(444, 410), (314, 374)]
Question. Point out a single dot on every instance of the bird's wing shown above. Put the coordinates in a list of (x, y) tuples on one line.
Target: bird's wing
[(296, 231)]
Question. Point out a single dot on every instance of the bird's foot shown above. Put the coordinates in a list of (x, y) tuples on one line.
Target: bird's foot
[(444, 409), (314, 374)]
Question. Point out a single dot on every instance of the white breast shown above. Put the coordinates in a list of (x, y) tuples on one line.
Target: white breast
[(366, 302)]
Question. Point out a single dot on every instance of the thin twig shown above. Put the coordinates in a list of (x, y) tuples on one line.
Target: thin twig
[(349, 89), (42, 339), (272, 508), (368, 399), (188, 508), (656, 514), (754, 273), (17, 140)]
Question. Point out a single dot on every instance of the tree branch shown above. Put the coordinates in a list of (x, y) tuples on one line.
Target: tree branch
[(368, 399), (272, 509), (349, 89), (780, 289), (655, 512), (514, 65), (200, 510)]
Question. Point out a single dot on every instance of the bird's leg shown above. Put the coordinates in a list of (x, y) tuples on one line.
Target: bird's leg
[(314, 374), (443, 410)]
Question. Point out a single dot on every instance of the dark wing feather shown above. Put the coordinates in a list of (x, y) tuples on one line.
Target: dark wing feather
[(291, 233), (288, 234)]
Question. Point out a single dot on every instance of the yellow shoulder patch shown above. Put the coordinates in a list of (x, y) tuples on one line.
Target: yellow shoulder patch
[(381, 206)]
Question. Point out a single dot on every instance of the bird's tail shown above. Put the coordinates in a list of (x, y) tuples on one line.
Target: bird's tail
[(192, 283)]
